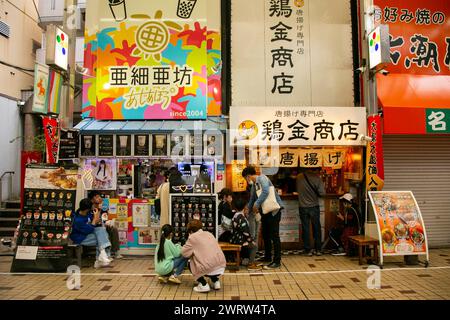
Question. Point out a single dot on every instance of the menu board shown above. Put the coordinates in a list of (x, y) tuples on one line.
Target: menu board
[(195, 206), (45, 225), (290, 222), (400, 223), (68, 144), (141, 145), (106, 145)]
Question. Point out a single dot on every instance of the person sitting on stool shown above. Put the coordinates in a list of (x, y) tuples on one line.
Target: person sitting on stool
[(348, 225)]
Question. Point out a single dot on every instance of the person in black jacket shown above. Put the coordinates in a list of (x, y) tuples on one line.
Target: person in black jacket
[(225, 214)]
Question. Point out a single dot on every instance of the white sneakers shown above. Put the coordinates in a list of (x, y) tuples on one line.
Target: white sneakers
[(102, 260), (216, 285), (202, 288), (206, 288)]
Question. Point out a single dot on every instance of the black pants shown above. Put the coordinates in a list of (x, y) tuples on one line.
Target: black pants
[(113, 234), (214, 278), (271, 233)]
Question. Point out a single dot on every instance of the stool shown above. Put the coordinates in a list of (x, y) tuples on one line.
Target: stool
[(362, 241), (235, 248)]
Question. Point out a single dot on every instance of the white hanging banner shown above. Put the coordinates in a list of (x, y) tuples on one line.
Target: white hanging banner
[(311, 158), (297, 126), (333, 158)]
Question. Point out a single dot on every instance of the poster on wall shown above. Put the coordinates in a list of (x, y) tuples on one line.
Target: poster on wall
[(125, 178), (213, 144), (159, 145), (178, 144), (99, 174), (400, 224), (141, 214), (105, 145), (69, 141), (141, 145), (239, 184), (123, 145), (196, 145), (88, 144), (183, 208), (45, 225)]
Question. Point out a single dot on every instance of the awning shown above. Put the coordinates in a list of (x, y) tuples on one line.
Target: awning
[(92, 126), (408, 100)]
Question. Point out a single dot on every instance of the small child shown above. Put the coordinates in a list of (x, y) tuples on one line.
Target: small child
[(242, 233), (168, 258), (225, 214)]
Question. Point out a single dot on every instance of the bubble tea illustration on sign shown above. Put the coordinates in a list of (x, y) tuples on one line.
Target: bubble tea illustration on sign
[(118, 9), (185, 8)]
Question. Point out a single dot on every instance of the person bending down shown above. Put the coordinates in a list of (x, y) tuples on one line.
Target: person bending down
[(206, 257), (87, 232), (169, 263)]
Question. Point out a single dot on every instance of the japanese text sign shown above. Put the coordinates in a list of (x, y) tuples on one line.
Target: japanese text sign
[(51, 127), (296, 126), (374, 155), (419, 35), (438, 120)]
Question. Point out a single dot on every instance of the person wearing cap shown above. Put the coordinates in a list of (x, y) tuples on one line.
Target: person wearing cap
[(348, 225)]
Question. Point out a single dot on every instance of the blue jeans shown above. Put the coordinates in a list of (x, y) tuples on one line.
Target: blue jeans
[(308, 216), (179, 264), (98, 238)]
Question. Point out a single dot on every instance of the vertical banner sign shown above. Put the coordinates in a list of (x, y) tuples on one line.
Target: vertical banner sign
[(41, 73), (238, 183), (54, 92), (287, 37), (51, 138), (374, 155)]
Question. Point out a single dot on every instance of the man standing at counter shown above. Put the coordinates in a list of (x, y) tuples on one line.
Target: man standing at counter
[(310, 187), (270, 222)]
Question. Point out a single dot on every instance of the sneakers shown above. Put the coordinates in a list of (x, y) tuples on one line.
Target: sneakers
[(100, 264), (318, 253), (118, 256), (264, 259), (163, 279), (103, 257), (339, 254), (271, 266), (202, 288), (309, 253), (254, 266), (174, 279), (216, 285)]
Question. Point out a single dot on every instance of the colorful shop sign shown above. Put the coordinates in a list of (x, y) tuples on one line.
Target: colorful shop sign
[(400, 224), (419, 35), (40, 88), (296, 126), (151, 61), (374, 155)]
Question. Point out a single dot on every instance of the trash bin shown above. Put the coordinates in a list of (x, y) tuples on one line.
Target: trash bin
[(411, 260)]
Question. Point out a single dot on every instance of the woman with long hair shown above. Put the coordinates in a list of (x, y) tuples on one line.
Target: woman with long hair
[(169, 263)]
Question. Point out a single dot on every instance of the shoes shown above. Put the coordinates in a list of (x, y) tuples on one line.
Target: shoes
[(100, 264), (271, 266), (201, 288), (309, 253), (174, 279), (216, 285), (318, 253), (118, 256), (103, 257), (264, 259), (163, 279), (254, 266), (245, 262)]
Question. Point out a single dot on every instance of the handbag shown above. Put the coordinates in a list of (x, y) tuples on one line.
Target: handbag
[(270, 204), (226, 223)]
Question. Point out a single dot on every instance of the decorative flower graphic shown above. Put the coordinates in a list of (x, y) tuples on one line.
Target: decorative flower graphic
[(153, 37)]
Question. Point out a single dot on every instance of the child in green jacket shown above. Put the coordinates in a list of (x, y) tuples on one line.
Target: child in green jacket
[(169, 263)]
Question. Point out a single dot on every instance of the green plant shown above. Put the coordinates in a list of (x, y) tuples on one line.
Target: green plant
[(39, 143)]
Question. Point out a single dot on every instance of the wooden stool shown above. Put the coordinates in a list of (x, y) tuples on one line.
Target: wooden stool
[(363, 241), (236, 248)]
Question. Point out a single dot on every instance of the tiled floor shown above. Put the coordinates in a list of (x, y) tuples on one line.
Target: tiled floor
[(300, 278)]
